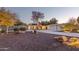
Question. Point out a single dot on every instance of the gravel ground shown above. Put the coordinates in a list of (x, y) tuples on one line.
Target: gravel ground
[(31, 42)]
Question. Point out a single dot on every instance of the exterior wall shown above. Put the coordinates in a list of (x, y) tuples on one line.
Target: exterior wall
[(35, 27), (54, 27)]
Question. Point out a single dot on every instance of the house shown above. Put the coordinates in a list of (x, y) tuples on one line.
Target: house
[(37, 27), (54, 27)]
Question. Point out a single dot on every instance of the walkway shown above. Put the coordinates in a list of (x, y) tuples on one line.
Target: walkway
[(60, 33)]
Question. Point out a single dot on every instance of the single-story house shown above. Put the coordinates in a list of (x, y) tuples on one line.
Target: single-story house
[(36, 27), (54, 27)]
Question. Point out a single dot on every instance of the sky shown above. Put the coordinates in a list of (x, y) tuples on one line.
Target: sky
[(62, 14)]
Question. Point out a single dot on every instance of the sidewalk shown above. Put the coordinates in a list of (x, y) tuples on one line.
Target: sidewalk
[(60, 33)]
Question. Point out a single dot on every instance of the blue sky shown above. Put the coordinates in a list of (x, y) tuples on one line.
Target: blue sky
[(62, 14)]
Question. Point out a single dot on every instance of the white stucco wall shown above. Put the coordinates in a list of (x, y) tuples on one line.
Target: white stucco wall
[(54, 27)]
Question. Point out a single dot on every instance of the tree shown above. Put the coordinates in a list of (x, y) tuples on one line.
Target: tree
[(18, 22), (68, 27), (78, 19), (7, 23), (7, 18), (71, 25), (45, 23), (53, 21), (72, 21), (36, 16)]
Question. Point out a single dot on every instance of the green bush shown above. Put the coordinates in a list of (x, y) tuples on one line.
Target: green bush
[(22, 29), (16, 29), (2, 31)]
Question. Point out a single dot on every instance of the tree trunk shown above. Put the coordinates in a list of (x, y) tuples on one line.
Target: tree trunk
[(7, 29)]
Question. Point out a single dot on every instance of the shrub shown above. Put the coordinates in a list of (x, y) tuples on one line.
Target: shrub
[(2, 31), (16, 29), (22, 28), (78, 31)]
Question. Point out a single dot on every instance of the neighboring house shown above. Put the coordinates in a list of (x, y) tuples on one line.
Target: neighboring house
[(37, 27), (54, 27), (11, 29)]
